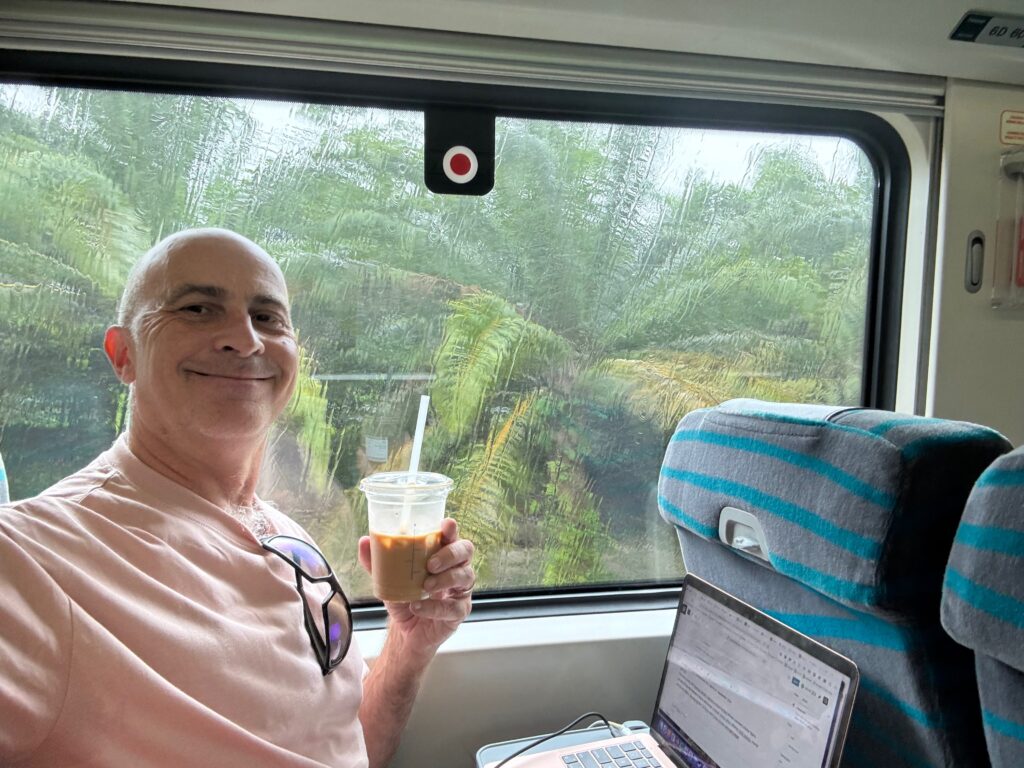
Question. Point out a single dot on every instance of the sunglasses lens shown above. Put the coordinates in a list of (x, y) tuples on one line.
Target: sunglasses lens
[(316, 611), (306, 558), (339, 630)]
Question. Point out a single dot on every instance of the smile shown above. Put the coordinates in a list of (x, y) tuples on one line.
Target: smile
[(228, 377)]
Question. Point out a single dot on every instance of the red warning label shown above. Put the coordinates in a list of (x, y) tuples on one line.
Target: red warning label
[(1011, 127)]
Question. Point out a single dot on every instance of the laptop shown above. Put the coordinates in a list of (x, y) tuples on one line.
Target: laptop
[(739, 690)]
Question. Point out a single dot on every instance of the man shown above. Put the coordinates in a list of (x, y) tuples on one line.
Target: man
[(142, 621)]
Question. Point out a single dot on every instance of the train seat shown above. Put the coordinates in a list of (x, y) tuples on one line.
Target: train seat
[(839, 522), (983, 601)]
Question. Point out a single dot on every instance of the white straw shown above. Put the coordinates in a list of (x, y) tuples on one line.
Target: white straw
[(417, 440), (414, 459)]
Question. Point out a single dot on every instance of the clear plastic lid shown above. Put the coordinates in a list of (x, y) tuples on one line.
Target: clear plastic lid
[(402, 482)]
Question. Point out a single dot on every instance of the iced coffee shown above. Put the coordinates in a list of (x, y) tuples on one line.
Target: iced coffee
[(405, 513)]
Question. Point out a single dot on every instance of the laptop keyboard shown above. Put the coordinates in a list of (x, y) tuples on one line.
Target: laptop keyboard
[(629, 754)]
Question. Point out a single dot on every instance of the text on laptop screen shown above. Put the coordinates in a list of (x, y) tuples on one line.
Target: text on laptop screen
[(735, 695)]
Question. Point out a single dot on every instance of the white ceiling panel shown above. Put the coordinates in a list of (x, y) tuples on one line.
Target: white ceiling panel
[(909, 36)]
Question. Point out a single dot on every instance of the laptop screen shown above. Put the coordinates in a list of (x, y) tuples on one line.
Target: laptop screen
[(740, 689)]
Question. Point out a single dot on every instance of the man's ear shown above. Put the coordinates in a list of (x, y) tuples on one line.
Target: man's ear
[(117, 345)]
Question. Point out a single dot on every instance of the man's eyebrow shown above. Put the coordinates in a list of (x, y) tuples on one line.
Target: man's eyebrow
[(266, 299), (206, 290), (216, 292)]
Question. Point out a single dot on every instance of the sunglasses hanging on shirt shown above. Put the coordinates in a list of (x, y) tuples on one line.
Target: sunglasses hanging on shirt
[(329, 623)]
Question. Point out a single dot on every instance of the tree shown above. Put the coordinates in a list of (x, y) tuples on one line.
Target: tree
[(67, 239)]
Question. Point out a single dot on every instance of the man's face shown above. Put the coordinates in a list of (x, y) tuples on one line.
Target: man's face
[(211, 351)]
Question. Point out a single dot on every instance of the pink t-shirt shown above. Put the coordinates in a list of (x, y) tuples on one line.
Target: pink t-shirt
[(142, 625)]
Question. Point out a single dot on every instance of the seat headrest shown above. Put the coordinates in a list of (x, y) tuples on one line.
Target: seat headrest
[(983, 595), (858, 504)]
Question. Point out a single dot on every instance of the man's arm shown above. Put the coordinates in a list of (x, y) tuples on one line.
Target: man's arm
[(415, 632), (388, 694), (35, 649)]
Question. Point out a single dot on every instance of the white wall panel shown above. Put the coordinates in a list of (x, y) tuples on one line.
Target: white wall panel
[(499, 680), (920, 136), (977, 353), (906, 36)]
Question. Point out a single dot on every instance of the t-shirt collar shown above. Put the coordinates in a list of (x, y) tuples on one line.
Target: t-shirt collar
[(175, 498)]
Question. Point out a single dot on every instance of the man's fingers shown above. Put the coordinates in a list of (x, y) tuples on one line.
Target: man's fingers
[(455, 609), (459, 579), (364, 552), (449, 531), (456, 553)]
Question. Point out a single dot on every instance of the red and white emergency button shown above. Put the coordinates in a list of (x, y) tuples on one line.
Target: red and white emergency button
[(460, 164)]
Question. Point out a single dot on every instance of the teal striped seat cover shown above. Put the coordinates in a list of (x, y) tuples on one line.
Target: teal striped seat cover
[(858, 508), (983, 601)]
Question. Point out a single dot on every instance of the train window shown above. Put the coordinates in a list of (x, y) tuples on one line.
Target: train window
[(618, 276)]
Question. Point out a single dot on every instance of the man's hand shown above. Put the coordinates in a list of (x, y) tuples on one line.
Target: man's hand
[(425, 624), (415, 633)]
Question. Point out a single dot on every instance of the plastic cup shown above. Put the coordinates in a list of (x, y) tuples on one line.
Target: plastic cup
[(405, 511)]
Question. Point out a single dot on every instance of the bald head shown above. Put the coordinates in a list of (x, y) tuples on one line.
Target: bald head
[(205, 342), (148, 276)]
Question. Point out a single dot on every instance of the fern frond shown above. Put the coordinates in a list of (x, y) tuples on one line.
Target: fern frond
[(576, 538), (486, 342)]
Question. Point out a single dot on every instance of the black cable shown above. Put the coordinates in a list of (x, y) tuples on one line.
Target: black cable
[(542, 739)]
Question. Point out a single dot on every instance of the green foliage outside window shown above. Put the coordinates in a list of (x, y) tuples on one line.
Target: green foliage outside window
[(562, 324)]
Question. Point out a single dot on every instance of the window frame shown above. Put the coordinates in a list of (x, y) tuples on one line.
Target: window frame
[(879, 140)]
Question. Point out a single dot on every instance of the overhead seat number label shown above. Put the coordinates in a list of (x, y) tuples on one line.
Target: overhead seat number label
[(979, 27)]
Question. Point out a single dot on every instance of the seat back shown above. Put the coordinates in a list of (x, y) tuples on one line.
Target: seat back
[(983, 601), (838, 521)]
